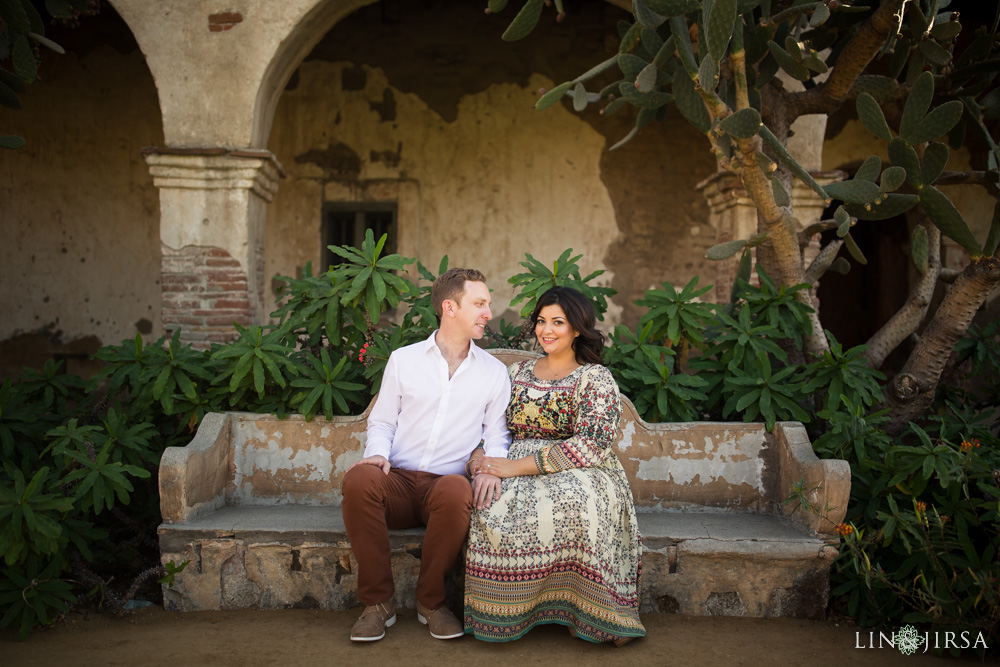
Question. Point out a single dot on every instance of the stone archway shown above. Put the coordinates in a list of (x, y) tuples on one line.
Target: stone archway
[(218, 77)]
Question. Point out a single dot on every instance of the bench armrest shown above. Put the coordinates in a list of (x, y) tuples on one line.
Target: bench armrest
[(193, 478), (827, 481)]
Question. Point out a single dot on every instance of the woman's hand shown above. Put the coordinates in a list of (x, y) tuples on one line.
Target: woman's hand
[(505, 468)]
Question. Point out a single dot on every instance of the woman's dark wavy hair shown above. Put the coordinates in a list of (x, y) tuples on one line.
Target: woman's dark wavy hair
[(580, 314)]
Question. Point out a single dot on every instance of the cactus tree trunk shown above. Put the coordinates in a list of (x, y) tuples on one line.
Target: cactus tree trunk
[(910, 393)]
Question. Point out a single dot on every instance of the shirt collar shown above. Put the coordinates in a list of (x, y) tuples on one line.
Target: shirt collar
[(474, 350)]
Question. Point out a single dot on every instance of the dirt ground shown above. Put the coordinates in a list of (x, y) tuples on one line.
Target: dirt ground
[(152, 636)]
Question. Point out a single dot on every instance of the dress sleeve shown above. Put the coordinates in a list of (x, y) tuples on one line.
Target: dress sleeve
[(598, 411)]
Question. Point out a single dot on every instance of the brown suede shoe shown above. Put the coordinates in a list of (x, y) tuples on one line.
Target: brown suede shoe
[(441, 622), (373, 622)]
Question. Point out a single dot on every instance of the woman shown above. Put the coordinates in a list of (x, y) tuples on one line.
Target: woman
[(560, 544)]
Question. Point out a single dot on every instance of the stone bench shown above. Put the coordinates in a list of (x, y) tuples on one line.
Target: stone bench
[(253, 503)]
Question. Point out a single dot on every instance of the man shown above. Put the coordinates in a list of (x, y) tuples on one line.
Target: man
[(439, 399)]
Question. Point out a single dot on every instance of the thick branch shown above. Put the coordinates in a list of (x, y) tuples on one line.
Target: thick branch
[(853, 60), (910, 393), (908, 318), (823, 261)]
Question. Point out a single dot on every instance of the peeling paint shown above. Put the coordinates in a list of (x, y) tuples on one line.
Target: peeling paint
[(627, 432), (734, 461)]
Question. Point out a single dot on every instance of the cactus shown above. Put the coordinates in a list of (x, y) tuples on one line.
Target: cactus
[(917, 104), (918, 249), (781, 197), (614, 106), (645, 81), (725, 250), (496, 5), (903, 155), (935, 159), (853, 248), (790, 163), (679, 30), (689, 102), (672, 8), (858, 191), (880, 88), (743, 124), (872, 118), (720, 28), (553, 96), (870, 169), (708, 73), (651, 100), (524, 22), (580, 97), (787, 62), (891, 205), (646, 17), (934, 52), (993, 237), (745, 6), (631, 65), (651, 40), (843, 220), (631, 40), (936, 123), (819, 16), (946, 217), (891, 179)]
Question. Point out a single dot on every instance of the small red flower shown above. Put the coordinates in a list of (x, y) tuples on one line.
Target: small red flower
[(844, 529), (921, 506)]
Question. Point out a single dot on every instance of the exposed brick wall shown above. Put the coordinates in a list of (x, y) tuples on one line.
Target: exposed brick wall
[(204, 291)]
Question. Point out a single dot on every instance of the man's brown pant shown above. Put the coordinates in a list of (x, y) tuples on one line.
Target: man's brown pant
[(374, 502)]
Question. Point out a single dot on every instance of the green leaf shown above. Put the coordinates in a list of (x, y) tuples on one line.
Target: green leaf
[(857, 191), (553, 96), (917, 104), (725, 250), (853, 248), (935, 159), (689, 102), (743, 124), (902, 155), (893, 205), (870, 169), (938, 122), (787, 62), (524, 22), (720, 28), (872, 118), (947, 218), (646, 17)]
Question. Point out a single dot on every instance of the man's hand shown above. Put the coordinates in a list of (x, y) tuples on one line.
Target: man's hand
[(485, 489), (377, 460)]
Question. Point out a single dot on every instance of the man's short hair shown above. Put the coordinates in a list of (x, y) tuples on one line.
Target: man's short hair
[(451, 285)]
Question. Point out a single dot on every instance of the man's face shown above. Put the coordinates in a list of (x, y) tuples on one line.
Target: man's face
[(472, 312)]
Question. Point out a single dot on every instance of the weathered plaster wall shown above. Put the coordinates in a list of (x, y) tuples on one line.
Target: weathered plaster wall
[(498, 181), (443, 123), (79, 258)]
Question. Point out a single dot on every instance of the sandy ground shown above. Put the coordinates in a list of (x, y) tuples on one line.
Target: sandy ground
[(152, 636)]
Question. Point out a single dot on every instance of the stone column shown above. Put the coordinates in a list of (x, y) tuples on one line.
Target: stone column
[(212, 216)]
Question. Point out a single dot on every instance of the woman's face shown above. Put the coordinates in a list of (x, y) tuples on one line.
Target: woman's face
[(553, 331)]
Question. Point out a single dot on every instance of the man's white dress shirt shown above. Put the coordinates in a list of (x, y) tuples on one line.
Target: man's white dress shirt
[(424, 421)]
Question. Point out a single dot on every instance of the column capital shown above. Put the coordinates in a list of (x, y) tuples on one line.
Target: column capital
[(215, 169)]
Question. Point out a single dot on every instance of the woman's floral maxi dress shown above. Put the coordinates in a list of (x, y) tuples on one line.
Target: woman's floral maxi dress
[(560, 547)]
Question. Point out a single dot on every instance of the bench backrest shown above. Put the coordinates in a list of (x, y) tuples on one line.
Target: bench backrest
[(671, 466)]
